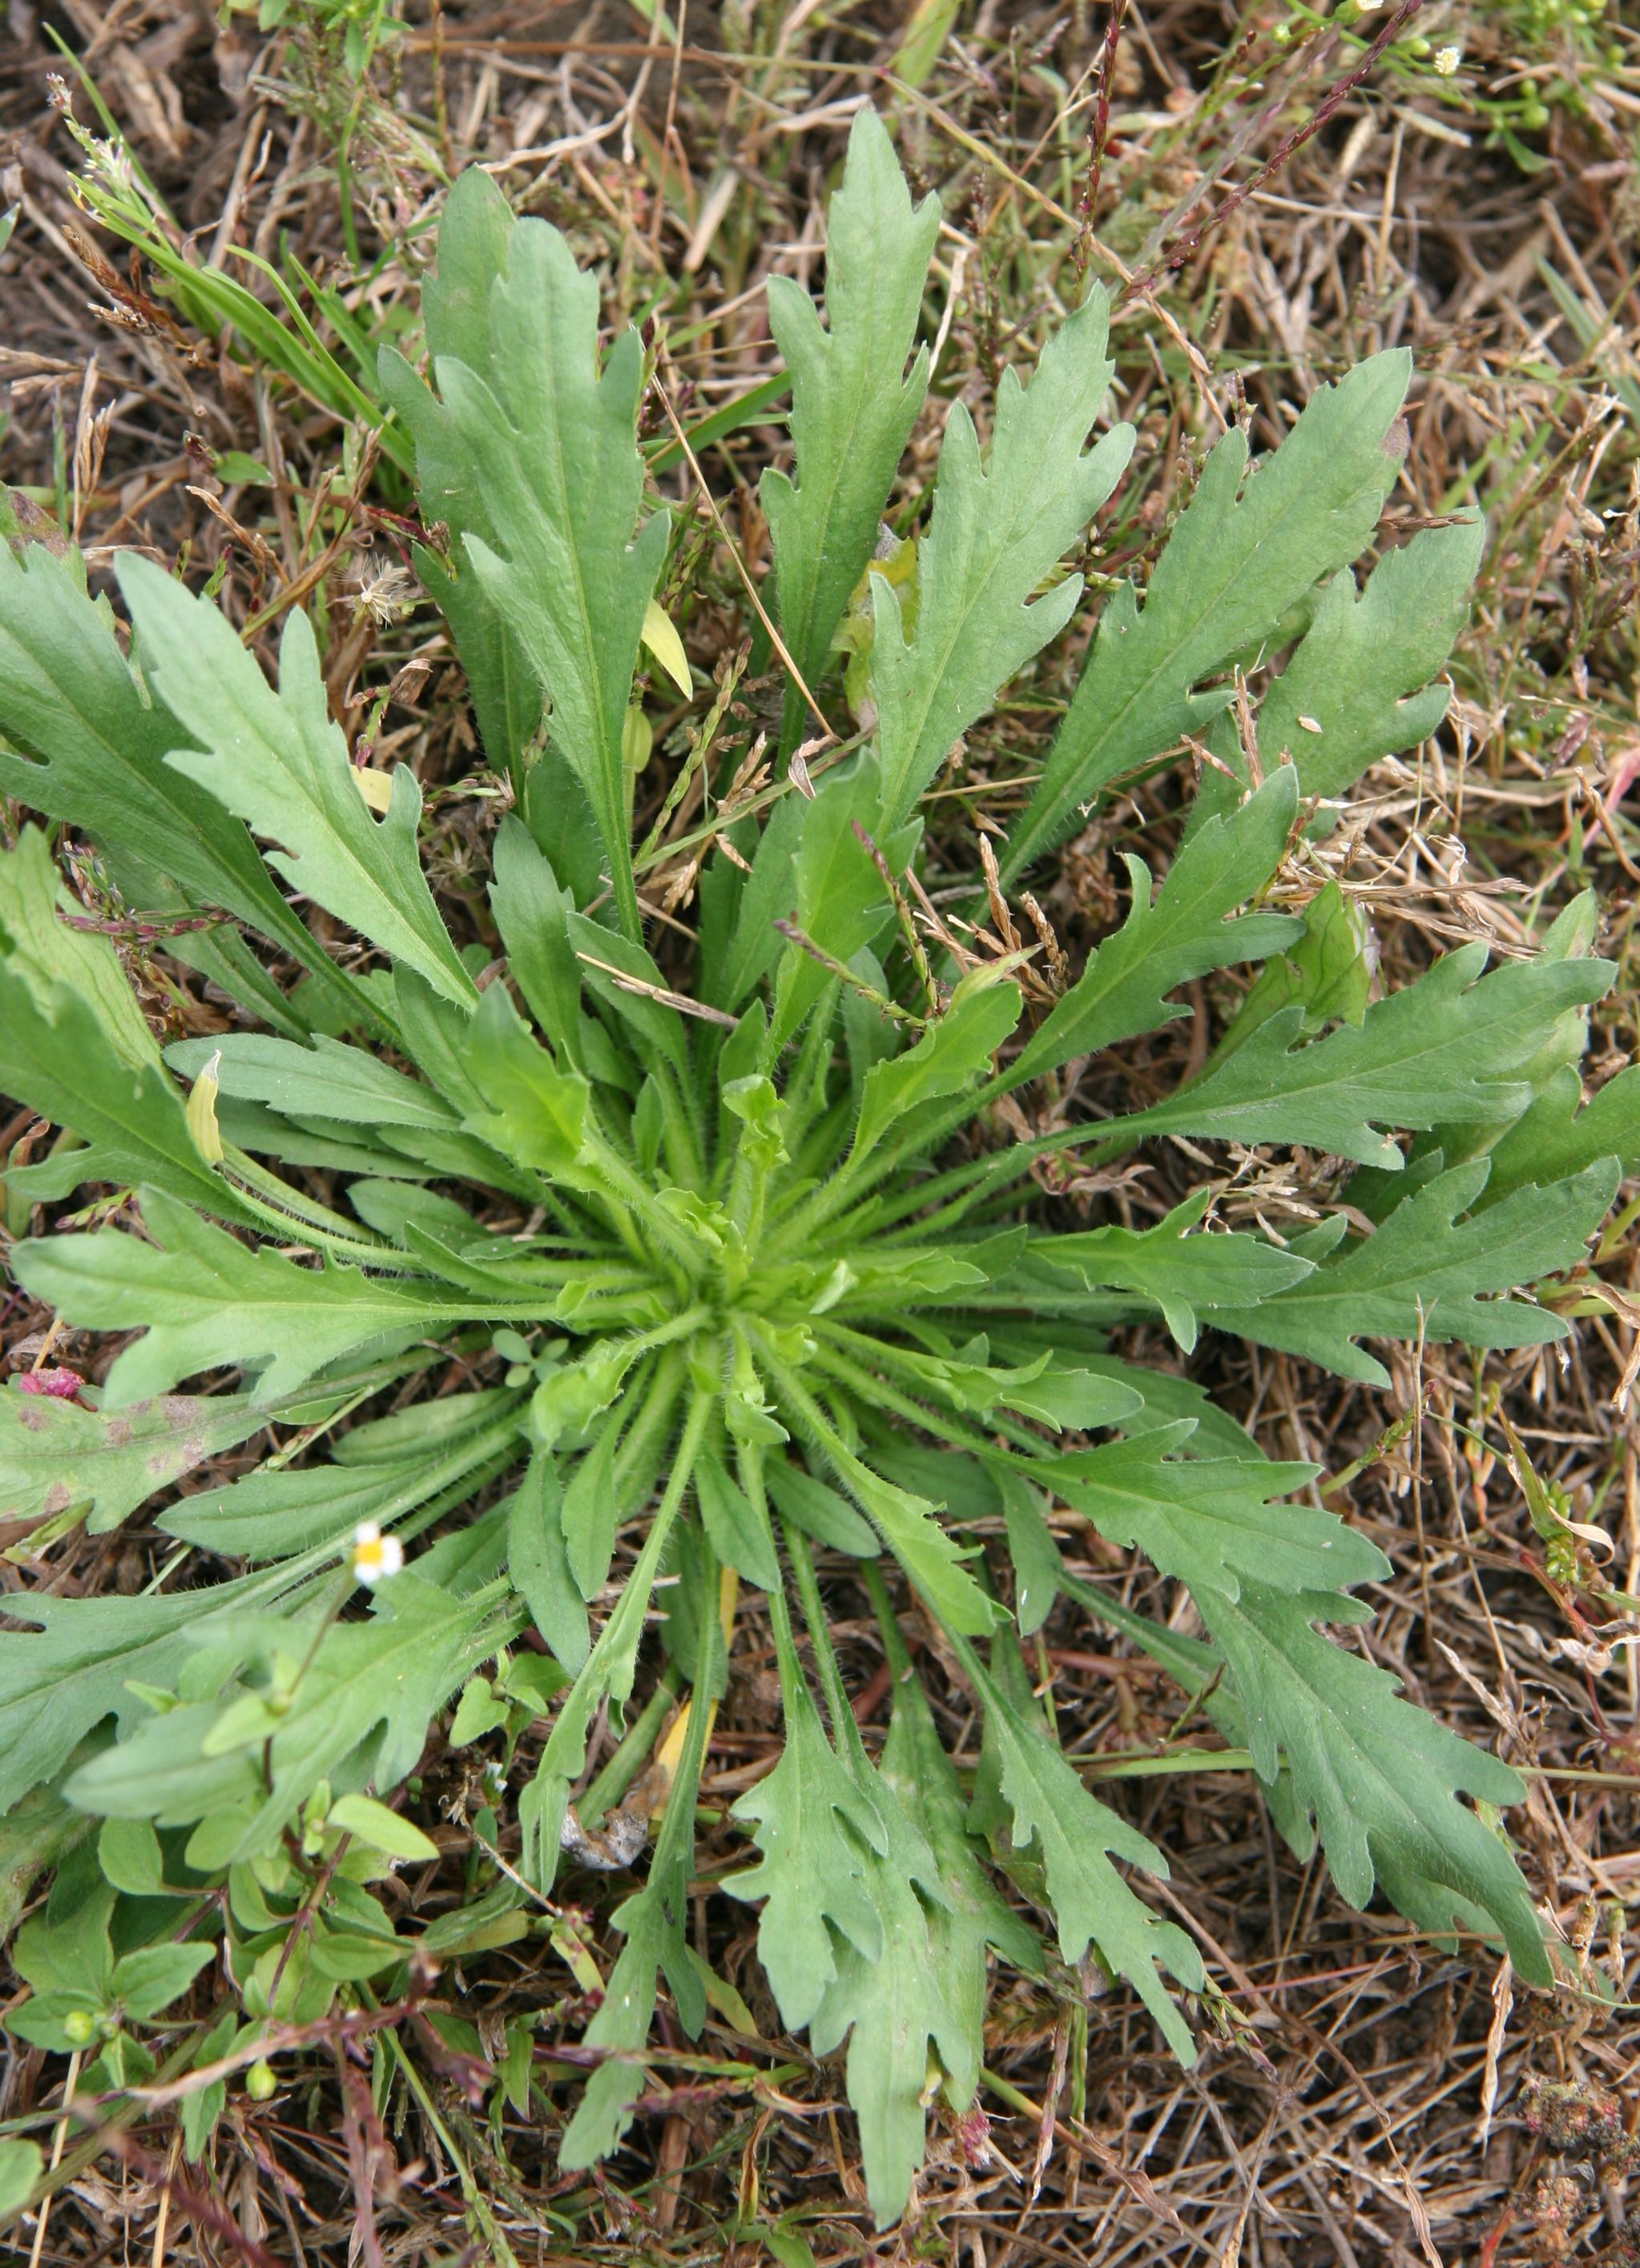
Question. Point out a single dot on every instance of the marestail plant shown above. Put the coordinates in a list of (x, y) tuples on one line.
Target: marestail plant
[(703, 1182)]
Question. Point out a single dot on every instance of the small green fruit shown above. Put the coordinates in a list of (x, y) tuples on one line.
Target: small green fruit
[(79, 2026), (260, 2082)]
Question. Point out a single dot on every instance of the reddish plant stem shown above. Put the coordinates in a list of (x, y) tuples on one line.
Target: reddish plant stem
[(1099, 131), (1333, 100)]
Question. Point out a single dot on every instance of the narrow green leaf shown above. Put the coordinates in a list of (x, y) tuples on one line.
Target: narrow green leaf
[(808, 1503), (537, 1563), (322, 1081), (736, 1534)]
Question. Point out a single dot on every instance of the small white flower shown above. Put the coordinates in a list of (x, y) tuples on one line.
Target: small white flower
[(1447, 60), (1368, 7), (375, 1556)]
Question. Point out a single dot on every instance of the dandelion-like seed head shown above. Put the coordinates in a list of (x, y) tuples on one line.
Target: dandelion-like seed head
[(375, 1556)]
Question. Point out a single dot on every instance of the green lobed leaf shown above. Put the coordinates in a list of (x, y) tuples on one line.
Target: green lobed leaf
[(84, 1664), (853, 399), (527, 420), (1449, 1047), (1214, 1522), (55, 1455), (895, 2005), (1185, 1276), (1358, 687), (1183, 933), (953, 1050), (815, 1826), (362, 1699), (999, 524), (1047, 1805), (204, 1302), (87, 749), (1381, 1777), (1559, 1135), (73, 1046), (1431, 1271), (1241, 554), (278, 762), (653, 1923), (1328, 973)]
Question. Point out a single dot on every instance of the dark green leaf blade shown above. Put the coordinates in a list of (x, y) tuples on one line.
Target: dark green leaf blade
[(1183, 933), (87, 749), (1214, 1522), (1451, 1046)]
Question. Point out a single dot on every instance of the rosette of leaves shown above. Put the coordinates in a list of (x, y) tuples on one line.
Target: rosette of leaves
[(726, 1206)]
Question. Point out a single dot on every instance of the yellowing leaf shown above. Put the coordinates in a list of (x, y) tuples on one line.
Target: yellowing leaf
[(200, 1110), (375, 787), (660, 636)]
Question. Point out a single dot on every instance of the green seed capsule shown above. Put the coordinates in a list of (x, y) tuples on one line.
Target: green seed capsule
[(260, 2081), (79, 2026)]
